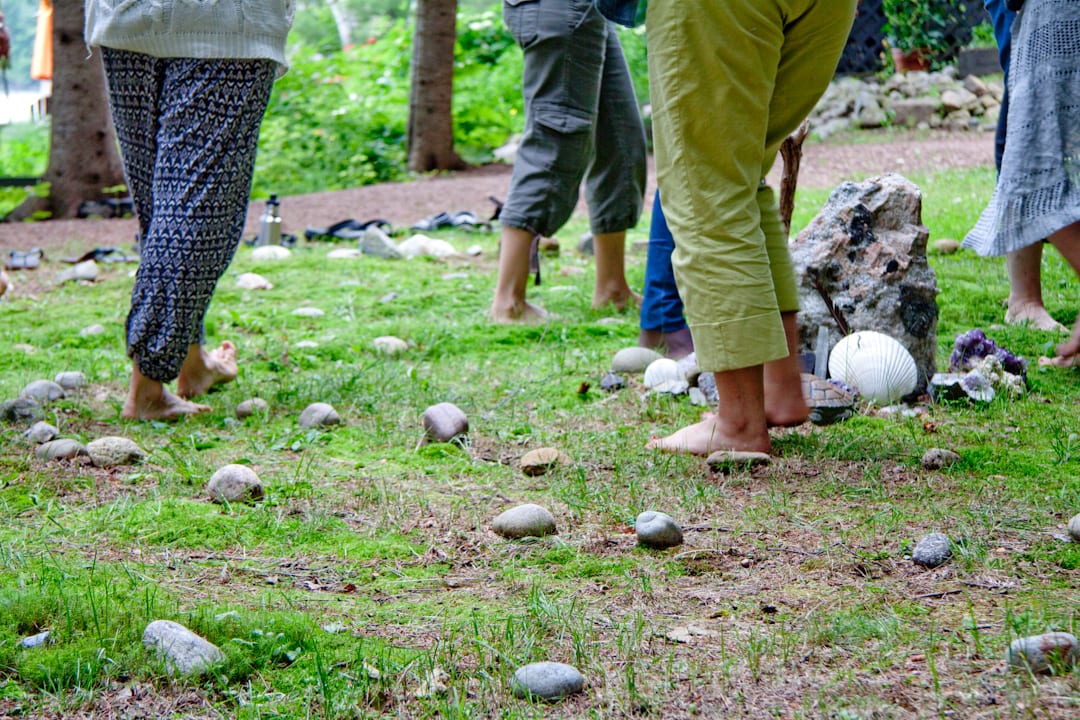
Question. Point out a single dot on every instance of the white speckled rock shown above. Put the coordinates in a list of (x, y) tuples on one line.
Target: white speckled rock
[(444, 422), (657, 530), (633, 359), (1042, 653), (390, 345), (548, 680), (308, 312), (249, 407), (319, 415), (111, 450), (184, 652), (938, 458), (63, 449), (92, 330), (1074, 528), (40, 432), (43, 391), (270, 252), (235, 483), (71, 380), (527, 520), (539, 461), (932, 550), (253, 281)]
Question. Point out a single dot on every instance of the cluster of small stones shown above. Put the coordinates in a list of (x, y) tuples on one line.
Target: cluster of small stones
[(917, 99)]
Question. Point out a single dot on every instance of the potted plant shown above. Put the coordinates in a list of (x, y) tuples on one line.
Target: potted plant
[(917, 31)]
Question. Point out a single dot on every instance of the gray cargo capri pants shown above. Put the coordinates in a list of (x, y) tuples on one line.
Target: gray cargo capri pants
[(581, 121)]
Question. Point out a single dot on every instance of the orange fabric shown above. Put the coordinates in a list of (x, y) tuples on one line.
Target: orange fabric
[(41, 63)]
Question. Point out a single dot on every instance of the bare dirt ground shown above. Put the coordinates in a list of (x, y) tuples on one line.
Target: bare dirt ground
[(824, 165)]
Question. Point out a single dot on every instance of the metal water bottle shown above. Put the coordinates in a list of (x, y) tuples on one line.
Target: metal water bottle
[(270, 224)]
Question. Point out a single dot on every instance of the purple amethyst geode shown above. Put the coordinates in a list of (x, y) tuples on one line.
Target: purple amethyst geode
[(974, 345)]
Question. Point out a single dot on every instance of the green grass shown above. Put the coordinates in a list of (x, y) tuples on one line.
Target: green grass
[(370, 564)]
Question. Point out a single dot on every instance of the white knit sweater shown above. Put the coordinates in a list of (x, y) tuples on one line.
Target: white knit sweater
[(226, 29)]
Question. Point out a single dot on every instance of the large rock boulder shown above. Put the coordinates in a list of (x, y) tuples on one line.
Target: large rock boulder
[(866, 252)]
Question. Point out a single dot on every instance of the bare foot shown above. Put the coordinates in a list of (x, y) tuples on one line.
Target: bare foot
[(1034, 315), (523, 313), (620, 298), (785, 409), (676, 344), (153, 402), (706, 437), (202, 370), (1061, 361)]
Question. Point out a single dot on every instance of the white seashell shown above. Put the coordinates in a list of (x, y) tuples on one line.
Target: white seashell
[(423, 245), (876, 365), (661, 371)]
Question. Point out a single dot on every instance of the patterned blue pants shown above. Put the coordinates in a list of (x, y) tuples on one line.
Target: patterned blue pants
[(188, 131)]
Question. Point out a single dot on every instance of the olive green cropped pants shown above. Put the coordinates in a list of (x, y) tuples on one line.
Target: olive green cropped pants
[(730, 80)]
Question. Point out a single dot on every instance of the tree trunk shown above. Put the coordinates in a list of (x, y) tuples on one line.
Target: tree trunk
[(342, 20), (431, 122), (83, 156)]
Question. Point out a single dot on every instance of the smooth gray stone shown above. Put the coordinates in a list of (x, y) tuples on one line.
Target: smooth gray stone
[(234, 484), (375, 242), (111, 450), (932, 550), (33, 641), (247, 408), (939, 458), (1074, 528), (21, 410), (548, 680), (40, 432), (445, 421), (634, 359), (527, 520), (657, 530), (319, 415), (184, 652), (1042, 653), (92, 330), (612, 382), (62, 449), (42, 391), (71, 380)]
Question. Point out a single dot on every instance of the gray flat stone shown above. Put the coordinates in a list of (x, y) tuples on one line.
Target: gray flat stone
[(62, 449), (939, 458), (235, 483), (110, 451), (22, 411), (527, 520), (375, 242), (183, 652), (445, 421), (43, 391), (33, 641), (933, 550), (1043, 653), (40, 432), (1074, 528), (249, 407), (71, 380), (657, 530), (319, 415), (547, 680)]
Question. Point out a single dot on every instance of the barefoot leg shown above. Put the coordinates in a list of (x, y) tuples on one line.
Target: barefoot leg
[(1025, 290), (149, 400), (784, 402), (611, 286), (739, 423), (509, 305), (1067, 241), (202, 370)]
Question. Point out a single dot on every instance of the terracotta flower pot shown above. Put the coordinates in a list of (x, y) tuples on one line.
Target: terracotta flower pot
[(907, 60)]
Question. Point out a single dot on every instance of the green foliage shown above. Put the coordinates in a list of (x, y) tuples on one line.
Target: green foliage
[(921, 25)]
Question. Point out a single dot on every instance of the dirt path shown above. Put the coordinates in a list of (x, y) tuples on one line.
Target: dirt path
[(823, 166)]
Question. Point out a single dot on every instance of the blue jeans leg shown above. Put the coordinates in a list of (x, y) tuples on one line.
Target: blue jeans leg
[(661, 306)]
